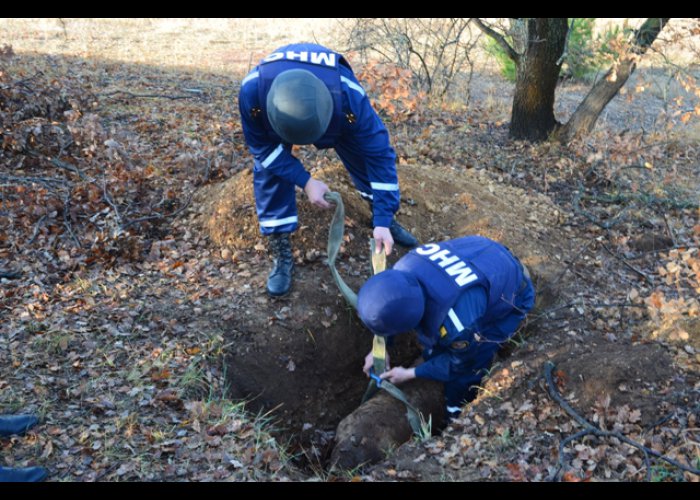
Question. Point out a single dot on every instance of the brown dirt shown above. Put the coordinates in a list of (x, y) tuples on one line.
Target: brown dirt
[(301, 355)]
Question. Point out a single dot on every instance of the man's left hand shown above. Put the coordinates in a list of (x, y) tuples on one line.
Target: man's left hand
[(382, 236), (315, 190), (399, 375)]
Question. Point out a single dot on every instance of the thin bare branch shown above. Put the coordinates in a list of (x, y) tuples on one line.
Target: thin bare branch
[(499, 38), (66, 218), (108, 199), (37, 227), (640, 273)]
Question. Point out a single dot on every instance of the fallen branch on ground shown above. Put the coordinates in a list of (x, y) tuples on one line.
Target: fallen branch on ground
[(37, 227), (13, 179), (10, 275), (640, 273), (642, 198), (111, 203), (658, 250), (59, 164), (576, 205), (159, 216), (66, 217), (146, 96), (572, 261), (590, 429)]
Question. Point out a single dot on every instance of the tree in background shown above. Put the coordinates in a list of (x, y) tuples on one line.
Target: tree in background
[(538, 50), (538, 46), (583, 51), (584, 118)]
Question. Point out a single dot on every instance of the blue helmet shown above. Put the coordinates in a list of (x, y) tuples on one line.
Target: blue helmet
[(391, 302), (299, 106)]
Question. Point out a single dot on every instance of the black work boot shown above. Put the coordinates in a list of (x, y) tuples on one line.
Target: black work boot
[(280, 279), (402, 236), (22, 475), (16, 424)]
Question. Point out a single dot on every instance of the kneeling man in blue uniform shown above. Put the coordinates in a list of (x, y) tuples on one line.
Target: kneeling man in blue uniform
[(464, 297), (308, 94)]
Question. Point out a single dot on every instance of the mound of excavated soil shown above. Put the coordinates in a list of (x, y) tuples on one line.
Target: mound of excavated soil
[(436, 204), (302, 354)]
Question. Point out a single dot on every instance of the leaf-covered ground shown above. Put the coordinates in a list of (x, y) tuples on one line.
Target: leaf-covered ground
[(108, 289)]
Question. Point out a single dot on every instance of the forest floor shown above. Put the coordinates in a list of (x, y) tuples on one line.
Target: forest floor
[(134, 315)]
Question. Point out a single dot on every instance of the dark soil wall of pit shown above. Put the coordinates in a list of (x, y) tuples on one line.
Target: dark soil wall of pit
[(303, 354)]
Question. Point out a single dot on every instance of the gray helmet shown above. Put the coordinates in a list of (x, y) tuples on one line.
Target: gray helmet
[(299, 106)]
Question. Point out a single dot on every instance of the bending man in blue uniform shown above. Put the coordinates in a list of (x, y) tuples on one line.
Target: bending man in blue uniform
[(308, 94), (464, 297)]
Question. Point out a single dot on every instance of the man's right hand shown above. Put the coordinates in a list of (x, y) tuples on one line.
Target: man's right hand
[(315, 190), (383, 238)]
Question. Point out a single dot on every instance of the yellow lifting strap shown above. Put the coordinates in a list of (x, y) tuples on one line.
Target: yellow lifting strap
[(378, 344), (379, 355), (335, 238)]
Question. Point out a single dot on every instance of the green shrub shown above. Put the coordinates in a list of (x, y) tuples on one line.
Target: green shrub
[(581, 58), (506, 64)]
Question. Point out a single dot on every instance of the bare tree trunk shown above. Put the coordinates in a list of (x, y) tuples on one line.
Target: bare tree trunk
[(537, 75), (584, 118)]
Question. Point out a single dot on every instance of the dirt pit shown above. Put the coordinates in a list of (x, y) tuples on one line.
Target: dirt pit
[(300, 357)]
